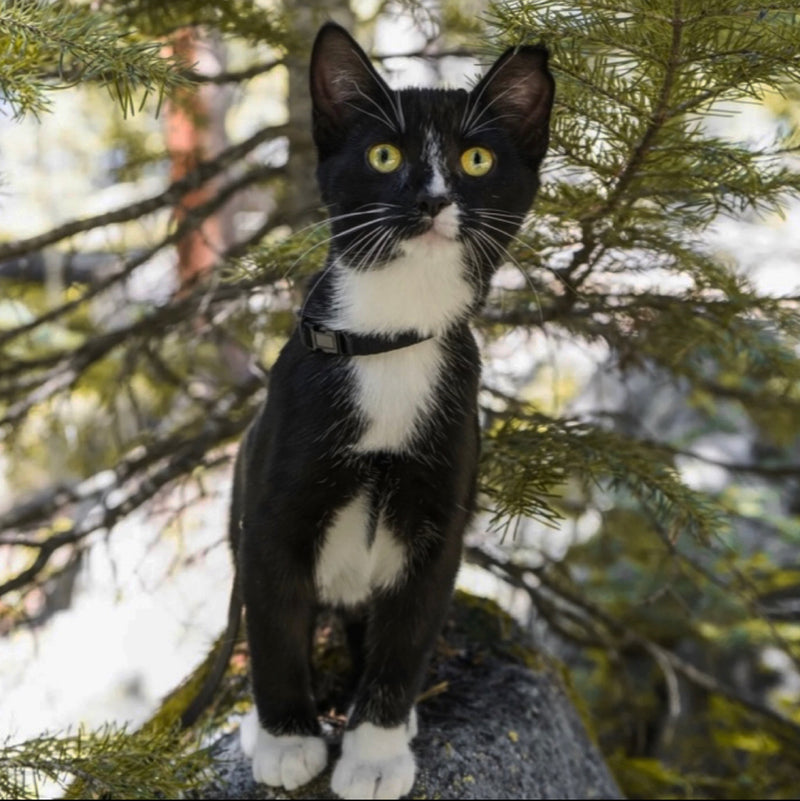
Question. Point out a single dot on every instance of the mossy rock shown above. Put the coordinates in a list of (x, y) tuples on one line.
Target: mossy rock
[(495, 721)]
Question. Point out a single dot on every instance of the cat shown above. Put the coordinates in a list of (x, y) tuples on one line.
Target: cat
[(355, 482)]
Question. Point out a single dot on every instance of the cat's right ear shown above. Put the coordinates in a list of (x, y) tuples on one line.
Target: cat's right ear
[(343, 85), (517, 93)]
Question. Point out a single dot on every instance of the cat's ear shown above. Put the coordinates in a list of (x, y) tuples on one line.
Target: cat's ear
[(343, 85), (517, 93)]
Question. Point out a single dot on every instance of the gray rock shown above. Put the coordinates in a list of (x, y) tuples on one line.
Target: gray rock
[(500, 726)]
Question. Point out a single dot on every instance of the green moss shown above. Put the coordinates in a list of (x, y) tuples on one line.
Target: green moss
[(481, 620)]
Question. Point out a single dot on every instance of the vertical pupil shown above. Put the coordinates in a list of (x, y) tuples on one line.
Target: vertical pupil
[(476, 158)]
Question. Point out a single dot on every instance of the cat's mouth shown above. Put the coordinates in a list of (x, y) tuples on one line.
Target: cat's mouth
[(443, 225)]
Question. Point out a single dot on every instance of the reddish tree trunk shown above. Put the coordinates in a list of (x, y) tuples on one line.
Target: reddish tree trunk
[(195, 132)]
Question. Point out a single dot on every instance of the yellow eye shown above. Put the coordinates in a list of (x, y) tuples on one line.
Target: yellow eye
[(384, 158), (477, 161)]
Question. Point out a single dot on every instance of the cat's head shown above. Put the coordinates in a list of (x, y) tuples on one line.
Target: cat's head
[(397, 165)]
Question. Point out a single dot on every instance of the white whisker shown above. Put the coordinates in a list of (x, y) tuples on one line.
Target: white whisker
[(525, 245), (383, 118), (393, 101), (365, 245), (369, 258), (470, 128), (331, 239), (332, 263), (312, 228), (502, 251)]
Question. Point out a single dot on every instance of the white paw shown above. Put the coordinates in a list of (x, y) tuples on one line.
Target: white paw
[(248, 732), (375, 763), (412, 728), (287, 761)]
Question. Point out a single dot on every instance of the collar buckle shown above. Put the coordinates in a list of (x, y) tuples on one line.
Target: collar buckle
[(316, 337)]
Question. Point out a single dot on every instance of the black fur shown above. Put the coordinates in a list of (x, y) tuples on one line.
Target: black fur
[(297, 466)]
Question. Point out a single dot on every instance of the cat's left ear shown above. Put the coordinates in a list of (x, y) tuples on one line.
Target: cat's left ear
[(344, 85), (518, 93)]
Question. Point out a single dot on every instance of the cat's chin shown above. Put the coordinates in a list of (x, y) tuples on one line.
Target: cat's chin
[(432, 237), (441, 229), (432, 243)]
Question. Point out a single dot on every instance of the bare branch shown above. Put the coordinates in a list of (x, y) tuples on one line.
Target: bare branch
[(785, 727), (138, 478), (171, 195), (193, 219), (235, 76)]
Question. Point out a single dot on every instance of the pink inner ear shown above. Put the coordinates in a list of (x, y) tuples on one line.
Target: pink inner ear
[(343, 76), (519, 89)]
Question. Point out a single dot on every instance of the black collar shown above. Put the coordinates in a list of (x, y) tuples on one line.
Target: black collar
[(342, 343)]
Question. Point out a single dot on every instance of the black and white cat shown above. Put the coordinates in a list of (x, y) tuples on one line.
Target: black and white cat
[(355, 482)]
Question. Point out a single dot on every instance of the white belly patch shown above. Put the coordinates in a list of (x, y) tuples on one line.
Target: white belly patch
[(348, 568)]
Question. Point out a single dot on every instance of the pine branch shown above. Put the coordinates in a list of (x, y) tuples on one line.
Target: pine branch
[(110, 763), (248, 20), (76, 43), (246, 74), (658, 117), (65, 368), (528, 455), (236, 76), (644, 165), (138, 478)]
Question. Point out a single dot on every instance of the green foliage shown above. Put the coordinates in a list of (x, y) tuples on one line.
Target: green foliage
[(635, 171), (51, 46), (636, 175), (109, 763), (250, 20), (672, 597), (530, 455)]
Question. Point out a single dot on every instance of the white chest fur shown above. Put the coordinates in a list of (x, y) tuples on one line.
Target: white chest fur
[(396, 392), (348, 568), (423, 290)]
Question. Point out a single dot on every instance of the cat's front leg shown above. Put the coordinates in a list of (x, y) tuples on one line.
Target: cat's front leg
[(283, 760), (282, 734), (377, 760)]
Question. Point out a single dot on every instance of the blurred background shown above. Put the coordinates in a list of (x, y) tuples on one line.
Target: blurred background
[(640, 503)]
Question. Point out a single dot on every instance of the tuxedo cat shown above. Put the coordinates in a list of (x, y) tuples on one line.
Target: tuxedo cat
[(355, 482)]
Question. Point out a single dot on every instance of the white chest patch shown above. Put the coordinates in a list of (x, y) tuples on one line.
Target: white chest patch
[(348, 569), (395, 392), (422, 290)]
